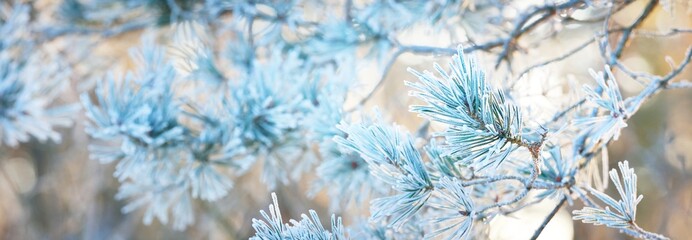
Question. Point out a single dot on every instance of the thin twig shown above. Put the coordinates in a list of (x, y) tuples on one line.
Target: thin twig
[(347, 11), (620, 46), (681, 84), (52, 33), (633, 104), (559, 58), (641, 233), (570, 108), (521, 27), (516, 198), (611, 57), (528, 183), (519, 208), (379, 84), (657, 84), (637, 76), (417, 49), (427, 50), (548, 218), (670, 32)]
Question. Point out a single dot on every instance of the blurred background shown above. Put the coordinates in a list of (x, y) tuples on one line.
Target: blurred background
[(54, 191)]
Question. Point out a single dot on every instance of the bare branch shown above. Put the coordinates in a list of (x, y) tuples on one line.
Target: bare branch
[(516, 199), (559, 58), (428, 50), (52, 33), (545, 12), (568, 109), (624, 38), (379, 84), (671, 32), (681, 84), (641, 233), (657, 84), (548, 218)]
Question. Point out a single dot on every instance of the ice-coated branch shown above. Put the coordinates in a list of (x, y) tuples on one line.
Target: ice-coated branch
[(556, 59), (523, 25), (483, 126), (181, 133), (28, 86), (274, 228), (391, 157), (602, 129), (620, 214), (550, 216), (457, 207), (625, 37), (658, 83)]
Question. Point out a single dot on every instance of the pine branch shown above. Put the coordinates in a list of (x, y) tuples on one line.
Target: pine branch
[(623, 213), (481, 122)]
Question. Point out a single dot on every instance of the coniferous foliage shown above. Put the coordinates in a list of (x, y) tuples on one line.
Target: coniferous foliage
[(484, 126), (220, 91), (171, 148), (624, 211), (27, 90), (273, 226), (601, 129), (391, 157), (141, 114)]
